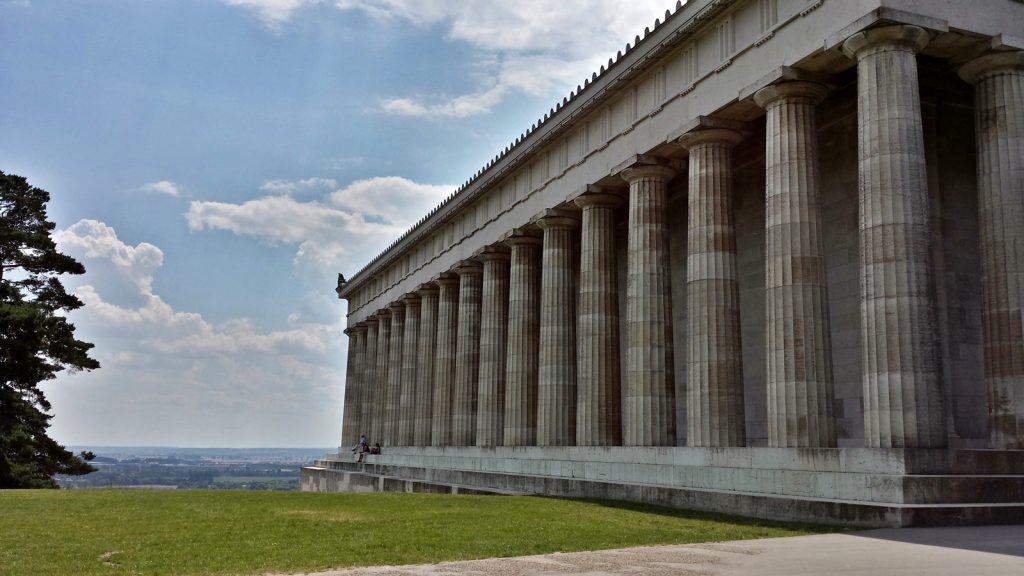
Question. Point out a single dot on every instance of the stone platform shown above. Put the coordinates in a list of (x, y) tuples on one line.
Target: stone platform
[(861, 487)]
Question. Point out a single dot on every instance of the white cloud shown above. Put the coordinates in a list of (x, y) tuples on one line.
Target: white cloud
[(162, 187), (334, 233), (273, 13), (172, 377), (536, 47), (293, 186)]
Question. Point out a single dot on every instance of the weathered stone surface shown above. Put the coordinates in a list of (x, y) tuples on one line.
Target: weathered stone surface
[(998, 80), (350, 420), (425, 351), (798, 343), (520, 421), (556, 388), (368, 412), (714, 355), (902, 393), (444, 365), (392, 408), (467, 354), (407, 397), (649, 414), (493, 347), (598, 405), (379, 403)]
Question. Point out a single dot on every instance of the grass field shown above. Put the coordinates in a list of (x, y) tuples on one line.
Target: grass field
[(116, 532)]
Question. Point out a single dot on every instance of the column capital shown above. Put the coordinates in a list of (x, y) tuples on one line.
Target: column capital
[(494, 253), (360, 326), (397, 307), (600, 199), (427, 289), (350, 331), (370, 322), (383, 314), (644, 166), (556, 218), (446, 279), (522, 237), (994, 63), (810, 91), (714, 136), (410, 299), (899, 37), (468, 267)]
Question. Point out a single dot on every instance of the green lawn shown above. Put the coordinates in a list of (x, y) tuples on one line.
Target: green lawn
[(114, 532)]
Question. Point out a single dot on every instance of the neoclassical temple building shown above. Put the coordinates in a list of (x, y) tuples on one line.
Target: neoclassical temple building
[(768, 260)]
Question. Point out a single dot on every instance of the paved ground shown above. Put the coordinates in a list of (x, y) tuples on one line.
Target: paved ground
[(973, 551)]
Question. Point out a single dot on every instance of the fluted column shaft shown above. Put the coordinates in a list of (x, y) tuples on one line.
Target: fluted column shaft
[(999, 123), (649, 414), (520, 422), (444, 365), (467, 355), (367, 415), (349, 422), (493, 347), (799, 349), (556, 381), (407, 396), (903, 405), (598, 392), (394, 399), (380, 401), (714, 402), (425, 352)]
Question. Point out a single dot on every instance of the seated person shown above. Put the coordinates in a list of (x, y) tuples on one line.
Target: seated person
[(375, 449)]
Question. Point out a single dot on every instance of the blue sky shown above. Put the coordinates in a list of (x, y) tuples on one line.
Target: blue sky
[(215, 164)]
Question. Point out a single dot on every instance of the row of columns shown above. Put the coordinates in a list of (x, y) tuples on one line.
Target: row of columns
[(520, 345)]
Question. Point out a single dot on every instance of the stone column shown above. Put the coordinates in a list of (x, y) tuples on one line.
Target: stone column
[(998, 80), (349, 421), (367, 415), (394, 401), (556, 383), (598, 394), (523, 339), (379, 400), (714, 400), (407, 396), (903, 404), (467, 353), (425, 353), (444, 364), (649, 414), (799, 349), (493, 344)]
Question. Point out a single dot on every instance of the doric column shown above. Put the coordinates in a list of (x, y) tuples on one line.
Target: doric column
[(493, 344), (379, 402), (407, 396), (394, 401), (425, 352), (444, 365), (998, 80), (556, 382), (649, 414), (903, 404), (799, 350), (714, 400), (598, 394), (523, 339), (349, 421), (467, 354), (367, 415)]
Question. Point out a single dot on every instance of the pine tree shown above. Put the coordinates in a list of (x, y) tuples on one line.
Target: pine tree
[(36, 339)]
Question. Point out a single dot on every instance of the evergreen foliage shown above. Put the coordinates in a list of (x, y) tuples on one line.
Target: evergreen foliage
[(36, 340)]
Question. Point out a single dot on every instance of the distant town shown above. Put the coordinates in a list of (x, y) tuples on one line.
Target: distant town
[(194, 468)]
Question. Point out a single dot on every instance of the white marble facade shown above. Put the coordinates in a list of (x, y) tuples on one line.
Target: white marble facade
[(765, 223)]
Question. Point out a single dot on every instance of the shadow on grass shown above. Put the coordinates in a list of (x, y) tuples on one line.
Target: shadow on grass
[(683, 513)]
